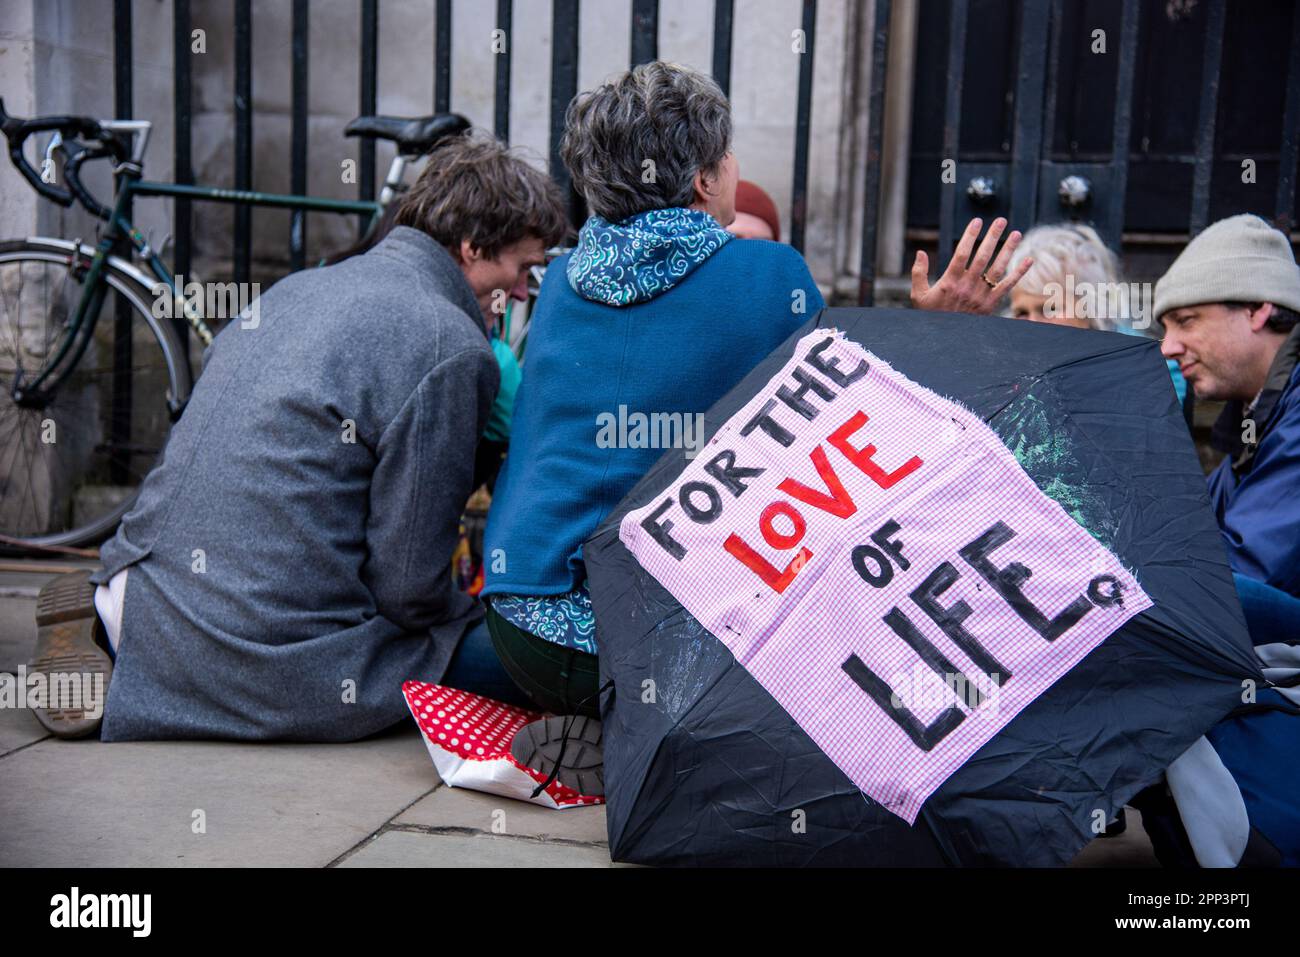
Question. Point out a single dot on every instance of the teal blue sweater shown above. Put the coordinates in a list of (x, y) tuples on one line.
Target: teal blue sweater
[(677, 352)]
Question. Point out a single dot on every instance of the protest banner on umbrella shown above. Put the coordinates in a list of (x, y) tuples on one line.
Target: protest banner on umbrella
[(800, 535), (911, 605)]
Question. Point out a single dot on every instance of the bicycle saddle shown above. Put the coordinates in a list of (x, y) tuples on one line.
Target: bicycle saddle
[(414, 135)]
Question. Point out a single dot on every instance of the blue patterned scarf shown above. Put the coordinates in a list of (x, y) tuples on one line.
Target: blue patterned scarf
[(620, 264)]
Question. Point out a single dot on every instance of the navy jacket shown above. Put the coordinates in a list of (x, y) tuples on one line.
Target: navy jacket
[(1256, 492)]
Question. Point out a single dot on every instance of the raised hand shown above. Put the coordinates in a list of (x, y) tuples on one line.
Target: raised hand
[(977, 287)]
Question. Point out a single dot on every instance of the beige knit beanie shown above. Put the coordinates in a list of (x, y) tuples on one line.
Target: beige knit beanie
[(1238, 259)]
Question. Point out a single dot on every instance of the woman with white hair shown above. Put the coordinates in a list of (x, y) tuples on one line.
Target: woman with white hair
[(1074, 281)]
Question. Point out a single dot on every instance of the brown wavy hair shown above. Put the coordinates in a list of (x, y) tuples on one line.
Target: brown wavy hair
[(475, 187)]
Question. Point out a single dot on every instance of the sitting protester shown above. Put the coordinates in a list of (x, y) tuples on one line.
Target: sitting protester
[(657, 312), (637, 332), (1075, 282), (1230, 306), (288, 563), (1068, 258), (756, 215), (496, 436)]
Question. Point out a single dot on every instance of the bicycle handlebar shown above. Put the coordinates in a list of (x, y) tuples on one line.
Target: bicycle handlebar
[(70, 167), (16, 130)]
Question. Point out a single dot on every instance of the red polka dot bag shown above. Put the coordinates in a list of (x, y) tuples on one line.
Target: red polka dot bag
[(469, 737)]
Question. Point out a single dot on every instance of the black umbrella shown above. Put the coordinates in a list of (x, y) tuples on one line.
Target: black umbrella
[(703, 763)]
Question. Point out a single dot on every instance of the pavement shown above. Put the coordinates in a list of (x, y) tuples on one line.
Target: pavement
[(372, 803)]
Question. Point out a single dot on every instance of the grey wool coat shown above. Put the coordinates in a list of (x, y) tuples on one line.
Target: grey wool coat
[(290, 557)]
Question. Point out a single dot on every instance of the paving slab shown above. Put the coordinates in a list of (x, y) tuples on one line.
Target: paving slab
[(473, 811), (18, 728), (17, 632), (404, 848), (451, 809), (86, 803)]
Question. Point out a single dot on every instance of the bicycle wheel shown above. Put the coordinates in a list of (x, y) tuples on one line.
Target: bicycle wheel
[(71, 465)]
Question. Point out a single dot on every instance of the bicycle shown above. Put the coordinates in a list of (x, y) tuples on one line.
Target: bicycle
[(86, 406)]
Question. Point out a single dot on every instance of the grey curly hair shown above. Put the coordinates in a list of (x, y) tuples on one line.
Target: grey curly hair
[(636, 142)]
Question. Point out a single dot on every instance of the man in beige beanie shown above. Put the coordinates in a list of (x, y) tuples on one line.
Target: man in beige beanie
[(1230, 306)]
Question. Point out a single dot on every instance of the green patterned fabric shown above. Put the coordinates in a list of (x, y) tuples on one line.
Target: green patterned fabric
[(565, 620), (620, 264)]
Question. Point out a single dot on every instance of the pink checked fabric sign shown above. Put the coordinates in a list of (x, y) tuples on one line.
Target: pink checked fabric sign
[(875, 557)]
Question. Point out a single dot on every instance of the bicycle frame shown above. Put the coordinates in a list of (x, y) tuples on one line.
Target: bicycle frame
[(129, 186)]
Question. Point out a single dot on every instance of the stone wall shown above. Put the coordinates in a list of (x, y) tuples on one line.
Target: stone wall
[(59, 58)]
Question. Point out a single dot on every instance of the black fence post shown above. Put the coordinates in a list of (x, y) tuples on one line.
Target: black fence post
[(723, 11), (182, 156), (501, 103), (645, 31), (952, 126), (1206, 120), (564, 85), (1130, 27), (803, 114), (1289, 154), (120, 415), (875, 134), (442, 58), (1027, 141), (368, 103), (298, 137), (243, 135)]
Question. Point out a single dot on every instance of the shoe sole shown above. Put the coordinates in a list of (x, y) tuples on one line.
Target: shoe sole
[(537, 745), (65, 644)]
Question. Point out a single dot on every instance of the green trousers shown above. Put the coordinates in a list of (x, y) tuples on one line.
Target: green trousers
[(560, 680)]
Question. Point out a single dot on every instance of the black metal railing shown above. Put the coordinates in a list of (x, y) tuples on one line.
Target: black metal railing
[(1289, 155), (298, 135), (123, 345), (802, 128), (1029, 170), (563, 86), (1026, 173), (1021, 181), (501, 103), (874, 159)]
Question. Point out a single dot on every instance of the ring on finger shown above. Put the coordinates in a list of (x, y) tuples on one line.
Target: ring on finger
[(991, 283)]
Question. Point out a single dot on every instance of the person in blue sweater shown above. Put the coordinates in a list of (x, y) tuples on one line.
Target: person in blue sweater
[(654, 315)]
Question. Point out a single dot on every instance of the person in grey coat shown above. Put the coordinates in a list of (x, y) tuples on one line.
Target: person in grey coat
[(288, 563)]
